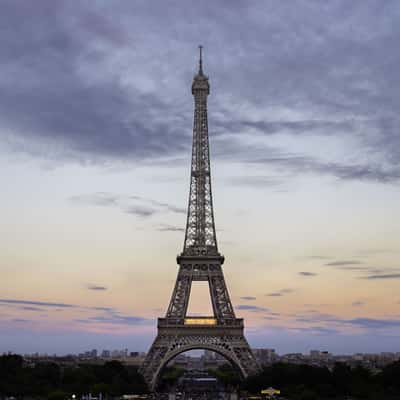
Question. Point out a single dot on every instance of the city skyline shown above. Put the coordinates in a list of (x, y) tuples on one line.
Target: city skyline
[(96, 124)]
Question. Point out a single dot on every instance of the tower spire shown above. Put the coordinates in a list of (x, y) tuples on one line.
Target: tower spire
[(201, 60)]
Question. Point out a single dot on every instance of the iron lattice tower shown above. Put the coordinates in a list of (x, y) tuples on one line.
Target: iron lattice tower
[(199, 261)]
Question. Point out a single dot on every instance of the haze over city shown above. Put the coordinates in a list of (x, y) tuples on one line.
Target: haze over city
[(96, 118)]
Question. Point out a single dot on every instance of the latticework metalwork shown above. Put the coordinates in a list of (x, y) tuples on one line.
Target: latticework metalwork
[(199, 261), (200, 238), (169, 344)]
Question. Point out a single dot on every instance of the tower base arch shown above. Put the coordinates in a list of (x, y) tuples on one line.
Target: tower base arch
[(226, 340)]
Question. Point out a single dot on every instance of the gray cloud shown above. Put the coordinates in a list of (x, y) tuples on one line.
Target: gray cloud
[(96, 287), (324, 331), (357, 303), (108, 315), (280, 293), (169, 228), (118, 320), (316, 330), (360, 322), (169, 207), (30, 308), (108, 309), (374, 273), (32, 305), (36, 303), (371, 323), (300, 127), (250, 298), (21, 320), (258, 181), (307, 273), (343, 263), (140, 211), (68, 112), (94, 83), (248, 307), (131, 204), (102, 199), (113, 316), (303, 164), (314, 316), (382, 276), (351, 266)]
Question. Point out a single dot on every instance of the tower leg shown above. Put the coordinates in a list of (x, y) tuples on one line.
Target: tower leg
[(154, 359)]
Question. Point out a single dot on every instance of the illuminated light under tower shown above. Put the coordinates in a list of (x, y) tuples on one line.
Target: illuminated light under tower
[(200, 321)]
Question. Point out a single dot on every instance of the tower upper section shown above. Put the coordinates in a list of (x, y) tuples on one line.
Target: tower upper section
[(200, 85), (200, 238)]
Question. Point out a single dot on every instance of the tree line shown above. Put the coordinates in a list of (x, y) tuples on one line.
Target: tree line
[(306, 382), (48, 380)]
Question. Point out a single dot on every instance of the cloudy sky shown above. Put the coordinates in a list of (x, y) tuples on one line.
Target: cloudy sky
[(95, 137)]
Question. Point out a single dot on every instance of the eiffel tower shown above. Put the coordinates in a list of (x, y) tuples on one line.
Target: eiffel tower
[(199, 261)]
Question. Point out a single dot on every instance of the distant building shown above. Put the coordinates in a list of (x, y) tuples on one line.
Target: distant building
[(209, 355), (319, 355), (265, 356), (314, 353), (106, 354)]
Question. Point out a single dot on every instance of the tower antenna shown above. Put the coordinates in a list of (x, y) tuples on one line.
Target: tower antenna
[(201, 60)]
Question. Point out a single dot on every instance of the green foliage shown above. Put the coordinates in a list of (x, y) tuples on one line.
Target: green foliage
[(11, 374), (57, 395), (307, 394), (49, 380), (305, 382), (390, 376), (227, 375), (170, 376)]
